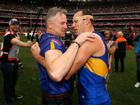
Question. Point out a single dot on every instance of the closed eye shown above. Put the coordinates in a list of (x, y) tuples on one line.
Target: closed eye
[(75, 21)]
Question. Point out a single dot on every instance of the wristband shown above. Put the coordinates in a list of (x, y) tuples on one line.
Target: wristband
[(76, 43)]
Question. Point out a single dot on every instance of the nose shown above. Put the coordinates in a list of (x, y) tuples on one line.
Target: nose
[(65, 26), (73, 25)]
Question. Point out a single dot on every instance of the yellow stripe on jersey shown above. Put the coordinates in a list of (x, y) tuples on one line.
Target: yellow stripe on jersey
[(97, 66), (52, 47)]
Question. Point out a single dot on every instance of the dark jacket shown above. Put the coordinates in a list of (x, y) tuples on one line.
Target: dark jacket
[(121, 48)]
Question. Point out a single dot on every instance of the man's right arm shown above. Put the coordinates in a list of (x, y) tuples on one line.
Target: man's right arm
[(56, 63)]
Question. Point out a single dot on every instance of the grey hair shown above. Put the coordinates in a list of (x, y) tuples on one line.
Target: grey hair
[(53, 11)]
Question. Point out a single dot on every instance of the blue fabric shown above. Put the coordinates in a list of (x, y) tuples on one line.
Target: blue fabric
[(92, 90), (137, 46), (138, 66), (47, 85), (104, 57)]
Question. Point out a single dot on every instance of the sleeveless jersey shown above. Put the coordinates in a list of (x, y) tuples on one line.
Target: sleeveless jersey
[(92, 90)]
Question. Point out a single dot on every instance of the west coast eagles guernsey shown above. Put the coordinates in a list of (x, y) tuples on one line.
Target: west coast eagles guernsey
[(49, 42), (91, 79)]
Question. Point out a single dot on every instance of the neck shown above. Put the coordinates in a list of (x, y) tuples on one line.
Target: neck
[(89, 29), (52, 32), (13, 31)]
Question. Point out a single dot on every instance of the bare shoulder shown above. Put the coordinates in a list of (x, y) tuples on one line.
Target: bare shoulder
[(95, 42), (93, 47)]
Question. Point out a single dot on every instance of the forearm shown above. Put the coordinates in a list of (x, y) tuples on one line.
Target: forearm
[(40, 60), (75, 67), (110, 59), (20, 43), (112, 50), (23, 44), (61, 65), (84, 53)]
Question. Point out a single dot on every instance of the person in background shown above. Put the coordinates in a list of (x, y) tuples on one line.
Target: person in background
[(131, 36), (137, 52), (120, 52), (9, 60), (111, 45)]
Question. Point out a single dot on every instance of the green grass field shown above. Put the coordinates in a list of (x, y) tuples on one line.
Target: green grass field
[(120, 85)]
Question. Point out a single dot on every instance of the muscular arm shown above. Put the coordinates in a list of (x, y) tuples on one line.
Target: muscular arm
[(58, 64), (85, 51)]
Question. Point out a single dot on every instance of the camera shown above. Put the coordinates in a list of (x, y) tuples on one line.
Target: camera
[(68, 38)]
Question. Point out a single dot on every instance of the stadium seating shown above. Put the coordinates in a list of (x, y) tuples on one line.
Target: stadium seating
[(112, 15)]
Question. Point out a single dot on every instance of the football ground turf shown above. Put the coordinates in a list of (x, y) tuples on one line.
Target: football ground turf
[(120, 85)]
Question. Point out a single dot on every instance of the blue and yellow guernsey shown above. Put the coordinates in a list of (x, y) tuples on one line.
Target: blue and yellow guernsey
[(92, 90), (47, 42)]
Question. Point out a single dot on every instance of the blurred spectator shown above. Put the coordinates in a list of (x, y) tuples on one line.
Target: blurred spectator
[(9, 60), (110, 44), (120, 52), (137, 51), (130, 37), (107, 32)]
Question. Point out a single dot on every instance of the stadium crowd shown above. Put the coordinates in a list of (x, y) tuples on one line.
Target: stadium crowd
[(117, 37)]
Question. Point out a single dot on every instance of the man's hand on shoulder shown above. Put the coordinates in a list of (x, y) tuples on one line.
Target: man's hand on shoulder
[(86, 36)]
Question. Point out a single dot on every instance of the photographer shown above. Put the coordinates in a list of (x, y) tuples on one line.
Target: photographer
[(9, 60), (68, 38)]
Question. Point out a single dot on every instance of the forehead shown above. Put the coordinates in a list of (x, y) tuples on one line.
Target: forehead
[(60, 17), (13, 25), (77, 15), (107, 30)]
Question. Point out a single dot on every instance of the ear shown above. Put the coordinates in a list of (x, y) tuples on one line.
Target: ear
[(50, 24), (87, 20)]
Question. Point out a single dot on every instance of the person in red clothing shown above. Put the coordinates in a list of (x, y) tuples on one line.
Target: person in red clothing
[(120, 52), (9, 60), (130, 38)]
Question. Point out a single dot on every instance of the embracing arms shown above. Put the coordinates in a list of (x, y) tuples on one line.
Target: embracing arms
[(58, 64)]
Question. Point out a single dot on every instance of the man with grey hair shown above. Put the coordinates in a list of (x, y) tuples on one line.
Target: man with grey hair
[(55, 61)]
